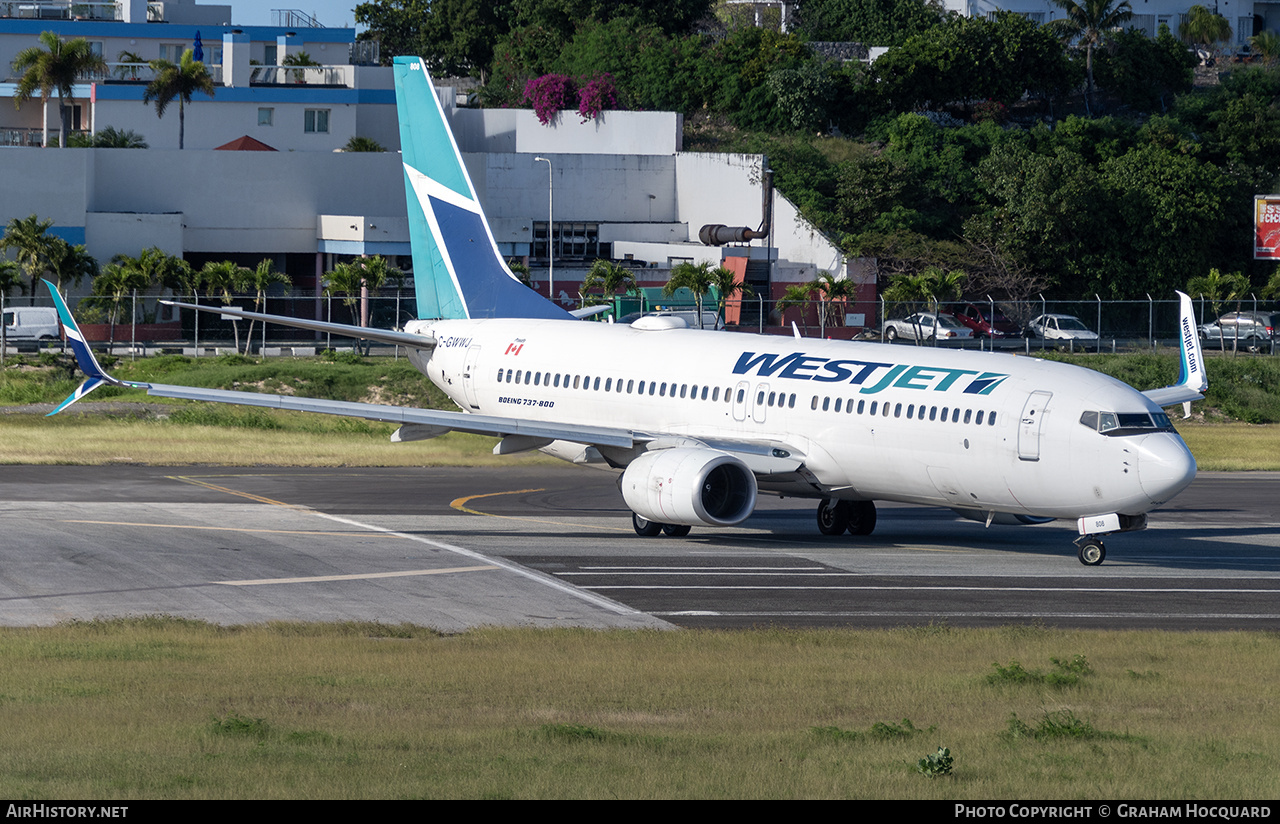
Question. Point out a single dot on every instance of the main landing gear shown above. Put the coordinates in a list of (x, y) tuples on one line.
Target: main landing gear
[(649, 529), (858, 517)]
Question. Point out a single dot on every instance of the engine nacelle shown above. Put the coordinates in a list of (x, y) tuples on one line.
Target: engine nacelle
[(689, 486)]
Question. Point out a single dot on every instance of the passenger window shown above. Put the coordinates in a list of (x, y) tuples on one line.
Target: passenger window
[(979, 418), (608, 385), (897, 410), (631, 383), (991, 419), (715, 394), (792, 403), (742, 394), (814, 403), (575, 381), (967, 413), (838, 402), (596, 387)]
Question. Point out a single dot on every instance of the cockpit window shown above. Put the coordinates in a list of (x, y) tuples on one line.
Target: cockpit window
[(1125, 423)]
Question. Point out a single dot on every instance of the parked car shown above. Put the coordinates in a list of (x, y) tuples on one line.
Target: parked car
[(1251, 330), (1060, 327), (980, 320), (921, 326), (27, 323)]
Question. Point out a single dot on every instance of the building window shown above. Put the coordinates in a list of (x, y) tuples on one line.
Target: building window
[(569, 240), (315, 121), (266, 117), (269, 54), (173, 52)]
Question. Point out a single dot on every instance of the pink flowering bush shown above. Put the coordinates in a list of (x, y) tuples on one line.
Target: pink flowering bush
[(549, 94), (597, 96)]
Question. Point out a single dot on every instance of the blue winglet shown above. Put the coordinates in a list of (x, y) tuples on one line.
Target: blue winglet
[(94, 373)]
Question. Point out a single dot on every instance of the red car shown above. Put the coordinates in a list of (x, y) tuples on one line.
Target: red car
[(979, 319)]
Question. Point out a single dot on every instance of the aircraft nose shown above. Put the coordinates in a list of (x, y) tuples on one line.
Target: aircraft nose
[(1165, 466)]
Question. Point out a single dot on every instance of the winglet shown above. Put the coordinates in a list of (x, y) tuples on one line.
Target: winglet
[(95, 375), (1192, 379)]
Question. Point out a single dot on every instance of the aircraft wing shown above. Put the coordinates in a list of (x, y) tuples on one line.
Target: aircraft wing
[(366, 333), (1192, 380), (416, 424)]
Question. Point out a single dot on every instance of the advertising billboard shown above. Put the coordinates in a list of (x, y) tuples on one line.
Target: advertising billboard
[(1266, 227)]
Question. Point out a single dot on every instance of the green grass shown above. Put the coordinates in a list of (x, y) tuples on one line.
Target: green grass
[(173, 708)]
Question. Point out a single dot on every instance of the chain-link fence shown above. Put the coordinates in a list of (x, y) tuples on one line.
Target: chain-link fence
[(140, 324)]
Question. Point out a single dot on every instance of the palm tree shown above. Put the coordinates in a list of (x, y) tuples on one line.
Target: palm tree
[(728, 287), (797, 294), (1267, 46), (832, 293), (133, 62), (120, 278), (10, 278), (225, 278), (356, 279), (67, 262), (260, 280), (698, 278), (931, 286), (299, 59), (54, 68), (1088, 22), (28, 236), (179, 81), (608, 277), (1204, 28)]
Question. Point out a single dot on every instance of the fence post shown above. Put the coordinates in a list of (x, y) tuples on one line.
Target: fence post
[(4, 333), (1099, 299), (133, 325), (760, 298), (196, 300), (1151, 323)]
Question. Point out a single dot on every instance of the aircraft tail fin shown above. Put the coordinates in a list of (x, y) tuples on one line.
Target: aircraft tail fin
[(458, 270), (95, 375), (1192, 379)]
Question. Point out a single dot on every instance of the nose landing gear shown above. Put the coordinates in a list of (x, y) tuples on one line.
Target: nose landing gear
[(1092, 552)]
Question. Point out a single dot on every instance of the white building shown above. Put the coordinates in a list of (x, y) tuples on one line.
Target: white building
[(622, 187), (1247, 17)]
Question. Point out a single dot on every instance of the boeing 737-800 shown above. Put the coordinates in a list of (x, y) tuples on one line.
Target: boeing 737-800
[(700, 422)]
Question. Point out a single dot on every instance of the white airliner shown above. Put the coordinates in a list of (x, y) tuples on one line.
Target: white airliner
[(700, 422)]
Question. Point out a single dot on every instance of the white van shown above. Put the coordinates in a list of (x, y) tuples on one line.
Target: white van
[(25, 323)]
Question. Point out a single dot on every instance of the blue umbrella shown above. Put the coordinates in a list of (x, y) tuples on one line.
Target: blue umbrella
[(199, 50)]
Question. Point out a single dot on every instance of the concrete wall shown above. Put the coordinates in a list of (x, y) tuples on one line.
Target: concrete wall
[(518, 130)]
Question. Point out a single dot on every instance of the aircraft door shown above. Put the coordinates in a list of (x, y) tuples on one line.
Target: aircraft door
[(469, 375), (758, 406), (740, 397), (1029, 425)]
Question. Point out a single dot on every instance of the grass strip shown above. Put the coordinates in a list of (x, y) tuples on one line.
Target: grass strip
[(158, 707)]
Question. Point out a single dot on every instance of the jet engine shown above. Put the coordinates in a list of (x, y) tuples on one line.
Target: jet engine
[(689, 486)]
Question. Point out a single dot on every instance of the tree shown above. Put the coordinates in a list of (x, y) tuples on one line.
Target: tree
[(180, 81), (260, 280), (1203, 28), (607, 277), (133, 64), (1266, 45), (225, 278), (54, 68), (354, 280), (299, 59), (108, 138), (363, 144), (27, 236), (698, 278), (118, 280), (68, 262), (870, 22), (1089, 23), (10, 278), (1218, 288)]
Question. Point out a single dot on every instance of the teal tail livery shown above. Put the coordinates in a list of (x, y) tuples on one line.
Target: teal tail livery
[(699, 424), (457, 269)]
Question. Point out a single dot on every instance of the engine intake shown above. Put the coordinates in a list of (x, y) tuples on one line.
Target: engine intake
[(689, 486)]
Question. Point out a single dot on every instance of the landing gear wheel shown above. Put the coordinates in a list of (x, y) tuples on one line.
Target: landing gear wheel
[(833, 517), (644, 527), (676, 530), (862, 517), (1092, 553)]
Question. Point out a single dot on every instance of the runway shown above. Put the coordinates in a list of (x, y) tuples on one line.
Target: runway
[(553, 546)]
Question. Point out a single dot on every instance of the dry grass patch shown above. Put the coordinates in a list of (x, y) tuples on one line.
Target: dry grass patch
[(159, 708)]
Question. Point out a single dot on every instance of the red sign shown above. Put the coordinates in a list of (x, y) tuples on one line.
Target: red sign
[(1266, 227)]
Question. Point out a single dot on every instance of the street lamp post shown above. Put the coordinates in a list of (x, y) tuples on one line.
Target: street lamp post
[(551, 251)]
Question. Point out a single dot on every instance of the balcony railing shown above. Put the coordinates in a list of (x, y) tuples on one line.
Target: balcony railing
[(59, 10)]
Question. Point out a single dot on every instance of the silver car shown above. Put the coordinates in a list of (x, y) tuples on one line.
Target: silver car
[(1250, 330), (923, 326), (1060, 327)]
